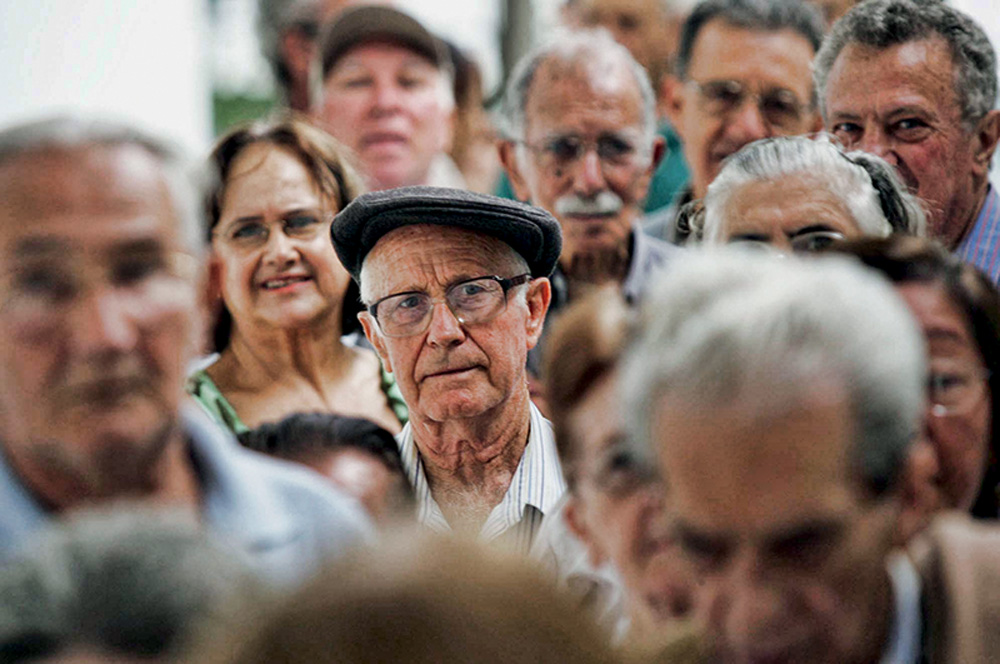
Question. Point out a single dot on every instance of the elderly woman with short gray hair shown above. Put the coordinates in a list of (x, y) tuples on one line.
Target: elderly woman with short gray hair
[(801, 194)]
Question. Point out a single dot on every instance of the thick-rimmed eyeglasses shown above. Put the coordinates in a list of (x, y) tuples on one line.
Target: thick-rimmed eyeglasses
[(781, 108), (562, 151), (472, 301), (954, 391)]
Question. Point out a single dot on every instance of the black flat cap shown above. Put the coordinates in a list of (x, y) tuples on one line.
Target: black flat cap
[(530, 231)]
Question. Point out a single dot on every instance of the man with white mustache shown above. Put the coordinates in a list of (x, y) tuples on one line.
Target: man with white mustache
[(580, 141)]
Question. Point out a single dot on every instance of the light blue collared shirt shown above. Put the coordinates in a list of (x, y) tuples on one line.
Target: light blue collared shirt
[(284, 517)]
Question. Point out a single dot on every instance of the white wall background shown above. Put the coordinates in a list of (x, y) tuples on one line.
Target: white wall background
[(140, 60)]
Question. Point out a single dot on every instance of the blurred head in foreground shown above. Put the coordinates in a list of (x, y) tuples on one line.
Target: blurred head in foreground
[(419, 600), (615, 502), (780, 399), (125, 586)]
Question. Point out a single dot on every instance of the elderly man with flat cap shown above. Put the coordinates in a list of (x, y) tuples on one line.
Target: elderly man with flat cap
[(456, 288)]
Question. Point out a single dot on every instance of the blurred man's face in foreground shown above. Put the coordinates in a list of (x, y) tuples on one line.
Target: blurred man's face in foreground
[(97, 315), (790, 548)]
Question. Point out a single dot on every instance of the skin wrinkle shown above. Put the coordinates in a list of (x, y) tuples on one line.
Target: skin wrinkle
[(761, 59), (870, 92), (470, 428), (776, 210), (586, 99), (285, 353)]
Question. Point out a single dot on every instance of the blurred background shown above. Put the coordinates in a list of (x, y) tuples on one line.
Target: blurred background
[(188, 69)]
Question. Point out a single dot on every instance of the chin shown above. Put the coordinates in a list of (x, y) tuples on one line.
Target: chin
[(459, 406)]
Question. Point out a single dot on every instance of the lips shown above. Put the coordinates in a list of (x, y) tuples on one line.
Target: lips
[(379, 138), (450, 372), (276, 283)]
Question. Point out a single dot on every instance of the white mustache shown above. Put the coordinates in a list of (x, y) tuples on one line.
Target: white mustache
[(603, 203)]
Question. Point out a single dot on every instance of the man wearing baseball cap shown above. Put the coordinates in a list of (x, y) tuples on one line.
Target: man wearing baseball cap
[(456, 288), (384, 88)]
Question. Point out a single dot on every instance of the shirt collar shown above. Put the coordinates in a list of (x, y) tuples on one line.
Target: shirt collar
[(906, 629), (233, 501), (986, 229), (538, 481)]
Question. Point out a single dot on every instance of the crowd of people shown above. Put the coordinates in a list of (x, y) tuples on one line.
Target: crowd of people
[(688, 351)]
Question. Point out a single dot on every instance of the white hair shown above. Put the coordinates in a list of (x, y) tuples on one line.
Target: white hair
[(185, 183), (725, 326), (590, 47), (867, 186)]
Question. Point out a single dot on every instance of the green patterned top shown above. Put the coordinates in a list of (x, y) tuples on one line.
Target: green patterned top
[(207, 394)]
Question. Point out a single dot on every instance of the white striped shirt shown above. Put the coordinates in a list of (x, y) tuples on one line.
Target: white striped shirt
[(535, 488)]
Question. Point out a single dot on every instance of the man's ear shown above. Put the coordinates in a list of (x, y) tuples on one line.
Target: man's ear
[(577, 524), (508, 157), (538, 298), (374, 338), (986, 136), (921, 498), (672, 93)]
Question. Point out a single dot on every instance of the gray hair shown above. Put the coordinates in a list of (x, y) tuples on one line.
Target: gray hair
[(185, 183), (133, 582), (730, 327), (584, 47), (868, 186), (764, 15), (882, 24)]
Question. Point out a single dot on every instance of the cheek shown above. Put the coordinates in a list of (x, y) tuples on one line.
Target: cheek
[(343, 113)]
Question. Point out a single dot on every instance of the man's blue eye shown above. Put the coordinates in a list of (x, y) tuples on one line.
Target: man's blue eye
[(409, 302)]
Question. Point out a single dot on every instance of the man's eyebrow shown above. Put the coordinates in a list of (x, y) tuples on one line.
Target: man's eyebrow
[(815, 228), (814, 527), (39, 246), (137, 246)]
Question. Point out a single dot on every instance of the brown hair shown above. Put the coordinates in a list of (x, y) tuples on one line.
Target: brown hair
[(420, 599), (326, 161), (586, 342), (906, 259)]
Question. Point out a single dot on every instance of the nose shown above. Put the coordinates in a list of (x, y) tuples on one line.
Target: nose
[(280, 249), (445, 329), (103, 320), (874, 141), (386, 98), (754, 616), (747, 123), (588, 177)]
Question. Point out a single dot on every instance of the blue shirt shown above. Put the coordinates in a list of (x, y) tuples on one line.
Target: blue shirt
[(286, 519), (981, 245)]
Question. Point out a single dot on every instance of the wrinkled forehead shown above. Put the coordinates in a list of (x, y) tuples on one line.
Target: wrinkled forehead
[(417, 250), (85, 195)]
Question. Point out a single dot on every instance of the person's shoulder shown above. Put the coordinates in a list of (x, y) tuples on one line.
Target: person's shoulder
[(959, 564)]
